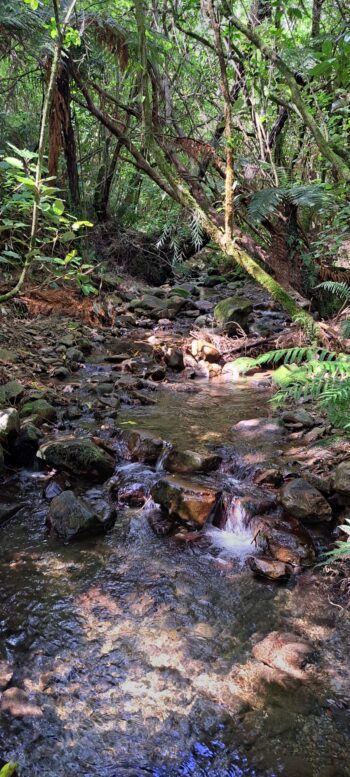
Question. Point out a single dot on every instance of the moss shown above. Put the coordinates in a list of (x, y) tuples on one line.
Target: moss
[(232, 309)]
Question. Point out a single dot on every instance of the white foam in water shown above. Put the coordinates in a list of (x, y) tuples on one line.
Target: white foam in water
[(236, 540)]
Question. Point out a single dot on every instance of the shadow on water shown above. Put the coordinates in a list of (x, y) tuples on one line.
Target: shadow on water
[(136, 653)]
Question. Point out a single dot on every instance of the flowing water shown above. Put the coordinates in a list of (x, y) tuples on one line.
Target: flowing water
[(135, 651)]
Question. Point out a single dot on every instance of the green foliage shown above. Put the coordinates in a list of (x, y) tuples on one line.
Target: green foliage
[(267, 201), (313, 374), (9, 769), (57, 227)]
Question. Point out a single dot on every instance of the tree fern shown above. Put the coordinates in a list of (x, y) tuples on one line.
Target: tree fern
[(341, 290), (266, 201)]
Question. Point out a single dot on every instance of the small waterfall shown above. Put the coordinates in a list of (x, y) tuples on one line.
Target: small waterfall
[(236, 539), (160, 462)]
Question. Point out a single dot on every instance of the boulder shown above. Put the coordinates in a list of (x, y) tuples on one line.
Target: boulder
[(79, 456), (233, 309), (269, 568), (142, 446), (185, 501), (9, 425), (40, 409), (302, 500), (283, 651), (148, 302), (72, 517), (185, 462), (341, 480)]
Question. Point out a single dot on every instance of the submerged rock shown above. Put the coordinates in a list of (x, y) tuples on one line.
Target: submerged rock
[(79, 456), (185, 501), (26, 444), (284, 651), (174, 358), (302, 500), (269, 568), (71, 517), (142, 446), (6, 673), (9, 425), (184, 462)]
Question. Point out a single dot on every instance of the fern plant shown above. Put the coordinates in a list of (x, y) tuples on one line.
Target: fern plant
[(314, 374)]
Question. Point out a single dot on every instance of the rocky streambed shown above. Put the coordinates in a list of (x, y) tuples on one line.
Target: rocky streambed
[(160, 612)]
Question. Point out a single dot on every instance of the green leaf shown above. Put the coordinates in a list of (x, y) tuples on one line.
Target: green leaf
[(8, 769), (58, 207), (77, 224), (13, 162)]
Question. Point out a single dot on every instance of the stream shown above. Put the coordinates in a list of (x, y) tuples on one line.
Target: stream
[(135, 651)]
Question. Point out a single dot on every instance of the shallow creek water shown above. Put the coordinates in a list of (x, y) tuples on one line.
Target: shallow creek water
[(136, 650)]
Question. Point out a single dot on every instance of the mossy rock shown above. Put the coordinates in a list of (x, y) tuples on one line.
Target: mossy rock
[(179, 292), (233, 309), (40, 409), (79, 456)]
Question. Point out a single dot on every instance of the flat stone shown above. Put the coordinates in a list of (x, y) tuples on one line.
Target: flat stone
[(185, 501), (269, 568), (185, 462)]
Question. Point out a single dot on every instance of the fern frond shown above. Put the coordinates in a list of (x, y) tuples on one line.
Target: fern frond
[(339, 289)]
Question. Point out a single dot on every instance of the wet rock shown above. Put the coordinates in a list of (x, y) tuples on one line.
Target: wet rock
[(185, 462), (160, 523), (40, 409), (174, 358), (142, 446), (233, 309), (72, 517), (16, 702), (302, 500), (2, 460), (204, 350), (9, 510), (185, 501), (269, 568), (287, 541), (26, 444), (157, 373), (284, 651), (341, 480), (6, 673), (79, 456), (9, 425), (132, 483)]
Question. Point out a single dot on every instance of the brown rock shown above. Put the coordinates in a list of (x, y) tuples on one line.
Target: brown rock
[(284, 651), (268, 567), (6, 672), (204, 350), (185, 501), (142, 446), (184, 462)]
